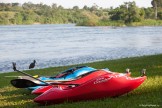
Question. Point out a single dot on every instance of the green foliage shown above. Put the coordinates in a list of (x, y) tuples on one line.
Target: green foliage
[(30, 13), (157, 6), (18, 18), (86, 7), (88, 22), (156, 2), (159, 15), (126, 14), (149, 13), (89, 19), (116, 14), (148, 22), (7, 17)]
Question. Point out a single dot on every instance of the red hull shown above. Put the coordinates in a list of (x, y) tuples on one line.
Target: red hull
[(78, 81), (96, 85)]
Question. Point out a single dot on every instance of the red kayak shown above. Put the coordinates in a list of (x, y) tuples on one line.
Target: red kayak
[(79, 80), (96, 85)]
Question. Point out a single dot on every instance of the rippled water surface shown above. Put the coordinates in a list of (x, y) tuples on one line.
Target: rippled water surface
[(65, 44)]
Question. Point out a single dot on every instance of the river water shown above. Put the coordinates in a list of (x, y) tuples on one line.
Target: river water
[(66, 44)]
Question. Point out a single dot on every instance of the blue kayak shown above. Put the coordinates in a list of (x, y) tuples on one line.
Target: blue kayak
[(69, 74)]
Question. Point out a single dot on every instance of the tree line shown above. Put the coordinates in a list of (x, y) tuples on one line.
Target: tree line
[(29, 13)]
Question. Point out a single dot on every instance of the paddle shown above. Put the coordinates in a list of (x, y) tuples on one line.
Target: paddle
[(24, 83), (15, 69)]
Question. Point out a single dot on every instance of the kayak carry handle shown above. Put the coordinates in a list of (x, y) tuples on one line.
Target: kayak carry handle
[(127, 70), (143, 72)]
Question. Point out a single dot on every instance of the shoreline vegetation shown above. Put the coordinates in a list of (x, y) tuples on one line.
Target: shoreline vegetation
[(149, 93), (147, 22), (127, 14)]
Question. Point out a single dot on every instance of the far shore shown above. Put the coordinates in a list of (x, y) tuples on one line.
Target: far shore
[(106, 24)]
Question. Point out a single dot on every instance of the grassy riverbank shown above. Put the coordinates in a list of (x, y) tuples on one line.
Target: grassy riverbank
[(149, 93), (146, 22)]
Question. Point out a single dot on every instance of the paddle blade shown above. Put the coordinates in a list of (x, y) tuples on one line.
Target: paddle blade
[(14, 66), (23, 83)]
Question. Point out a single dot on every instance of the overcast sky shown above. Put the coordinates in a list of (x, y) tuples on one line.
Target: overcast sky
[(81, 3)]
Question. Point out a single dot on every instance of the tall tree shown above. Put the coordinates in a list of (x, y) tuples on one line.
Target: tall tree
[(156, 4), (54, 6), (75, 8), (85, 7), (128, 12), (94, 7)]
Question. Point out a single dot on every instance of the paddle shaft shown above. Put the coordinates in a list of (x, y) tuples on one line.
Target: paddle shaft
[(33, 77), (24, 83)]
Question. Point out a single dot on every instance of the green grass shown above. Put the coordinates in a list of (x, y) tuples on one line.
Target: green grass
[(148, 22), (149, 93), (145, 22)]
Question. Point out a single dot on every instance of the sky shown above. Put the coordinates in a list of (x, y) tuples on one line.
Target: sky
[(82, 3)]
